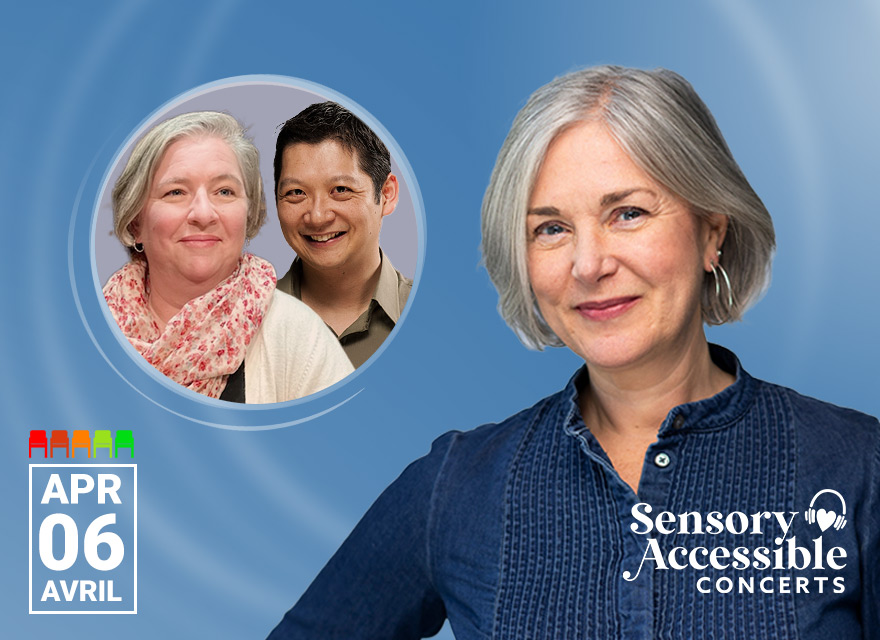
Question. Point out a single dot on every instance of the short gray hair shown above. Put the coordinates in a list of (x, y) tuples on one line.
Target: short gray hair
[(133, 185), (660, 122)]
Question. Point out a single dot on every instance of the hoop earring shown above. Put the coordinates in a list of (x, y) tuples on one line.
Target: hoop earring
[(716, 267), (138, 246)]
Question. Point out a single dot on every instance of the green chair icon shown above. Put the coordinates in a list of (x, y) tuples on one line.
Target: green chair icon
[(125, 440), (102, 440)]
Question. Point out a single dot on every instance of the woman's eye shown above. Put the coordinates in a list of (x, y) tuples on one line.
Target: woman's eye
[(226, 192), (630, 214), (549, 229), (550, 233), (174, 192)]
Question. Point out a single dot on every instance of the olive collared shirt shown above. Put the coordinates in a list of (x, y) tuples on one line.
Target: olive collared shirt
[(368, 332)]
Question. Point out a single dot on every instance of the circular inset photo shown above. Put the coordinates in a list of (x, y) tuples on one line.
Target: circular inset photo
[(256, 241)]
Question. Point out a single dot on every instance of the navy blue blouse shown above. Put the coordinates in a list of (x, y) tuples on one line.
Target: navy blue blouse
[(757, 516)]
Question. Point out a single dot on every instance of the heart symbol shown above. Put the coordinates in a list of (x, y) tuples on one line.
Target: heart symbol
[(825, 518)]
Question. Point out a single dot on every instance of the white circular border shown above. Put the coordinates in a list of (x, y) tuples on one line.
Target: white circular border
[(200, 401)]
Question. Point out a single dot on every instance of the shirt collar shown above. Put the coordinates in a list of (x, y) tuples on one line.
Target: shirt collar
[(291, 282), (386, 293), (710, 414)]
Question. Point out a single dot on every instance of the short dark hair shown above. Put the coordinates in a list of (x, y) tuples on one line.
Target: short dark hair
[(331, 121)]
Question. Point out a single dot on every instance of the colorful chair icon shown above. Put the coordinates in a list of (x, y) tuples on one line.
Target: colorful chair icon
[(37, 440), (125, 440), (59, 439), (103, 440), (81, 440)]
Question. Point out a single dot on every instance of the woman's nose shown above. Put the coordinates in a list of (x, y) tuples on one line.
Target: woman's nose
[(202, 210), (593, 258)]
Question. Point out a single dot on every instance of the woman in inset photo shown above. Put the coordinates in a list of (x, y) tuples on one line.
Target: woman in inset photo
[(663, 492), (193, 304)]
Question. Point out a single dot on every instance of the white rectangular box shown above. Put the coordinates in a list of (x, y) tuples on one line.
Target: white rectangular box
[(129, 542)]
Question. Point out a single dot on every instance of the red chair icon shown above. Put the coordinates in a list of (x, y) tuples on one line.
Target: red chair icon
[(59, 439), (37, 440), (81, 440)]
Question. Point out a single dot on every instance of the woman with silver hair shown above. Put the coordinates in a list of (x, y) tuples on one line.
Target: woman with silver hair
[(664, 492), (194, 306)]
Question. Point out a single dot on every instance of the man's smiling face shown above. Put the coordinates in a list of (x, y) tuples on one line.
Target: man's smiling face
[(328, 206)]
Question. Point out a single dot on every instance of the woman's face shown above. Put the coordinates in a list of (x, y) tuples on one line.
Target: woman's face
[(615, 261), (193, 223)]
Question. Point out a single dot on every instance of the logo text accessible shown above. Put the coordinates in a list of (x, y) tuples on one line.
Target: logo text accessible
[(785, 555)]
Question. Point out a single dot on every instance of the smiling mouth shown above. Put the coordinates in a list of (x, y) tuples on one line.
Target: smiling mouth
[(326, 237), (606, 309)]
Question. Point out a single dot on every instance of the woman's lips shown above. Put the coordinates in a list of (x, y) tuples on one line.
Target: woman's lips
[(606, 309), (200, 240)]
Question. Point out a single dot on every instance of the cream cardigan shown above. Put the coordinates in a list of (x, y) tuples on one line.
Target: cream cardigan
[(293, 354)]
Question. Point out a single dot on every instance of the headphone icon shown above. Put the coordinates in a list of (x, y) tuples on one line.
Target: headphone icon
[(839, 521)]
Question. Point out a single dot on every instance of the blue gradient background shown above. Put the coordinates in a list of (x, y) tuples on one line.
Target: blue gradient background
[(234, 524)]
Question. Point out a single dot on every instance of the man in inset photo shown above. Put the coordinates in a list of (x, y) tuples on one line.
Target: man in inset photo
[(333, 187)]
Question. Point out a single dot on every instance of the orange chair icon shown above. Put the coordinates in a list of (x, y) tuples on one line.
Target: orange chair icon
[(81, 440), (59, 439), (37, 440)]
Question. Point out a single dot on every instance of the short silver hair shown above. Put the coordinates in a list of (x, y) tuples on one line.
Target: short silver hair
[(660, 122), (131, 189)]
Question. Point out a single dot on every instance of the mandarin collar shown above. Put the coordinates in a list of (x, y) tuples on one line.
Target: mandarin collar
[(716, 412)]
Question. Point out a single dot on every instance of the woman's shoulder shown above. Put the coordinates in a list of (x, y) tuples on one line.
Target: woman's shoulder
[(824, 417), (837, 445), (489, 448), (291, 313), (294, 354), (289, 322)]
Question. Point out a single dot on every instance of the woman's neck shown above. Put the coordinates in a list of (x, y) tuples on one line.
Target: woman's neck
[(164, 307), (168, 292), (624, 409), (636, 401), (166, 300)]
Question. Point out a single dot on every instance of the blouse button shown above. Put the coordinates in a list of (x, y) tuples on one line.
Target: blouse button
[(662, 460), (678, 422)]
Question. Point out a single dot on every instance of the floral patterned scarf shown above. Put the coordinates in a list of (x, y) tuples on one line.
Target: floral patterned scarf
[(207, 339)]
